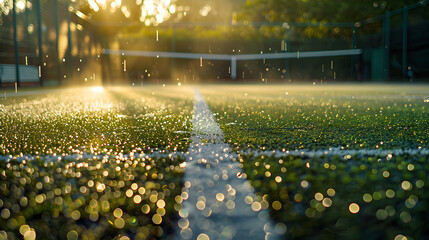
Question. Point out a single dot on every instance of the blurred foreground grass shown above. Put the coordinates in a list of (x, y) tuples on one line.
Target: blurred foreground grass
[(115, 194), (335, 196), (118, 194)]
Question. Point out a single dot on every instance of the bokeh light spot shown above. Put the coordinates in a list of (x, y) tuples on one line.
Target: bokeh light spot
[(354, 208)]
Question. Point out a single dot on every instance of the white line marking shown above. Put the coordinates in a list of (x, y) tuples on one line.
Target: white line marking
[(85, 155), (336, 151), (255, 153), (29, 93), (214, 191)]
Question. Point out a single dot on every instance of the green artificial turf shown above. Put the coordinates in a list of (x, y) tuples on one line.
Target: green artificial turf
[(90, 198), (314, 196), (319, 117), (333, 196), (308, 197), (106, 197), (109, 122)]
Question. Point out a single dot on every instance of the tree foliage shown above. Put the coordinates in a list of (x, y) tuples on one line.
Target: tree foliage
[(317, 10)]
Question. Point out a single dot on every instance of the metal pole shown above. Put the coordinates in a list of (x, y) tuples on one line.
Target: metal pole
[(386, 28), (15, 40), (69, 41), (354, 45), (405, 42), (287, 47), (173, 49), (233, 68), (57, 36), (39, 35), (354, 37)]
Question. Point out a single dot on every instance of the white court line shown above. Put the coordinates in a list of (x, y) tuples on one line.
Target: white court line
[(215, 191), (29, 93), (48, 91), (336, 151), (85, 155), (274, 153)]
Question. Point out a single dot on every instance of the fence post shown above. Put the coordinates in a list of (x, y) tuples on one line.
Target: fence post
[(173, 49), (57, 36), (354, 46), (404, 42), (15, 40), (287, 47), (386, 42), (69, 40), (39, 37), (354, 37)]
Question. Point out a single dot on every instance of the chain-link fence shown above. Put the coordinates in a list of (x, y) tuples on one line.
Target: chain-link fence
[(50, 36), (55, 44), (396, 44)]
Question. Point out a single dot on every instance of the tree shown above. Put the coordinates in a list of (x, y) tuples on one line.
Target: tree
[(318, 10)]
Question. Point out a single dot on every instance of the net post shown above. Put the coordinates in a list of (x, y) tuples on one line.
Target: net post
[(15, 41), (404, 42), (39, 37), (233, 67)]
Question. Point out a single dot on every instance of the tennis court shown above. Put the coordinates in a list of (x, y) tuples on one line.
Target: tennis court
[(213, 120)]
